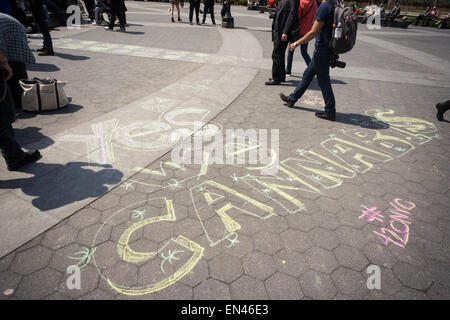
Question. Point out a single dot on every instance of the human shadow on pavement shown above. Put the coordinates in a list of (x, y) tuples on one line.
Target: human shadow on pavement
[(42, 67), (355, 119), (63, 184), (313, 86), (136, 33), (71, 108), (29, 135), (71, 56)]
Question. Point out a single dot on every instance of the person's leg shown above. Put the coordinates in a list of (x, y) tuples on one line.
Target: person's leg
[(212, 12), (191, 11), (323, 77), (290, 57), (112, 18), (197, 10), (19, 72), (308, 76), (121, 17), (205, 11), (304, 51), (278, 58), (53, 7), (178, 10), (38, 15)]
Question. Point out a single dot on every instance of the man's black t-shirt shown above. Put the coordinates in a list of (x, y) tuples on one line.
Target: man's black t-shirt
[(325, 13)]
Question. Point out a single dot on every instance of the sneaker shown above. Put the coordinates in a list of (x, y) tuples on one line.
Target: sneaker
[(94, 23), (122, 30), (108, 29), (30, 156), (285, 98), (326, 116)]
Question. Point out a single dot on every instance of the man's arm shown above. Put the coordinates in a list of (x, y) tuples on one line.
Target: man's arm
[(5, 70), (291, 19), (317, 26)]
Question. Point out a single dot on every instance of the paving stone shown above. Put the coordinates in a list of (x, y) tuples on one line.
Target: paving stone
[(8, 284), (323, 238), (351, 257), (98, 294), (39, 284), (349, 282), (239, 249), (6, 261), (212, 289), (290, 262), (412, 276), (197, 275), (94, 235), (225, 268), (351, 236), (295, 240), (321, 260), (259, 265), (283, 287), (60, 237), (317, 285), (267, 242), (84, 218), (89, 278), (31, 260), (248, 288), (379, 254)]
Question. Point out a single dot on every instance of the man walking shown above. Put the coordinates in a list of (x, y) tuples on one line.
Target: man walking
[(285, 26), (194, 5), (38, 14), (16, 50), (14, 156), (306, 14), (320, 63), (209, 6), (117, 10)]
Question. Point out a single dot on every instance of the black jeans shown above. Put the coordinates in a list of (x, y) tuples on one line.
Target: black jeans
[(90, 4), (117, 10), (19, 72), (320, 66), (38, 15), (209, 5), (278, 59), (226, 10), (194, 5), (9, 148)]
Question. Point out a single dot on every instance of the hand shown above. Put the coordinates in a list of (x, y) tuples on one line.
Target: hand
[(6, 71), (292, 47), (284, 37)]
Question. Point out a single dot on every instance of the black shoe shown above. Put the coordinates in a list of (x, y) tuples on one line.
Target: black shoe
[(30, 156), (198, 22), (191, 23), (46, 53), (289, 103), (326, 116), (173, 20), (287, 72), (41, 49), (442, 108), (273, 82), (179, 19)]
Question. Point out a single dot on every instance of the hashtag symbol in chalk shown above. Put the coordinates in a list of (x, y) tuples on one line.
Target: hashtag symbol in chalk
[(372, 213)]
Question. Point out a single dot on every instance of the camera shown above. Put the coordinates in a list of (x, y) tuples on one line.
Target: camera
[(334, 62)]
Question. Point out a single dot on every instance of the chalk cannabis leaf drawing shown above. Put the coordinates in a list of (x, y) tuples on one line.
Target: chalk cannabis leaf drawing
[(84, 257), (169, 257), (138, 214)]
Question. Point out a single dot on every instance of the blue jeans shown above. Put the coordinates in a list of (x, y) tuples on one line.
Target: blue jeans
[(320, 66), (305, 55)]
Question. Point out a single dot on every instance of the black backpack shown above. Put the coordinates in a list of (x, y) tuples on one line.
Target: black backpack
[(345, 25)]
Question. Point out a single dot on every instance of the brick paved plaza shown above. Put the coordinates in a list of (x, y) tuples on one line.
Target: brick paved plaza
[(371, 188)]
